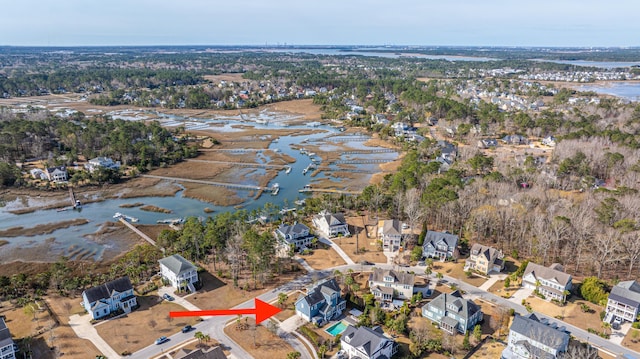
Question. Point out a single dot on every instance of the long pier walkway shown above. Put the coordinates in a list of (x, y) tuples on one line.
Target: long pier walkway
[(138, 232), (241, 164), (219, 184)]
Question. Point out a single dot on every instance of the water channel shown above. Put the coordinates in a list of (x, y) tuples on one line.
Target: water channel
[(74, 240)]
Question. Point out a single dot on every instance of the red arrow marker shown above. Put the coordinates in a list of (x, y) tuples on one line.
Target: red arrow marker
[(262, 311)]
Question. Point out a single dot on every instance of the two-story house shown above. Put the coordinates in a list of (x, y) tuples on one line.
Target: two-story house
[(623, 302), (386, 284), (181, 273), (6, 343), (440, 245), (296, 235), (322, 303), (552, 282), (101, 162), (110, 297), (331, 224), (390, 233), (367, 343), (57, 174), (452, 312), (530, 337), (484, 259)]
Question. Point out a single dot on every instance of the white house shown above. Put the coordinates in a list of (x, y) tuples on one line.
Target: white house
[(367, 343), (57, 174), (104, 299), (37, 173), (530, 337), (623, 302), (179, 272), (390, 233), (6, 343), (387, 284), (101, 162), (552, 281), (331, 224)]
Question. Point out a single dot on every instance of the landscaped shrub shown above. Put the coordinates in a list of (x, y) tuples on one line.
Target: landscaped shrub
[(593, 290)]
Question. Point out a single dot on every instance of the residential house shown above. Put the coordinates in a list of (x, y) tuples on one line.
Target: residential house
[(213, 353), (179, 272), (322, 303), (37, 173), (484, 259), (515, 140), (390, 233), (331, 224), (441, 245), (6, 343), (623, 302), (102, 300), (57, 174), (387, 284), (552, 281), (101, 162), (488, 143), (367, 343), (296, 235), (530, 337), (549, 141), (453, 313)]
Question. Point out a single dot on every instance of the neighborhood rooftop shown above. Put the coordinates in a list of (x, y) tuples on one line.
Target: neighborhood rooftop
[(538, 330), (552, 272), (119, 285), (177, 264), (627, 292)]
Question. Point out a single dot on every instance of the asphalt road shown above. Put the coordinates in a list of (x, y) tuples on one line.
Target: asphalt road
[(214, 326)]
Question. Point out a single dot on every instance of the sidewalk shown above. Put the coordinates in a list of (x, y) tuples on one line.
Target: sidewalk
[(491, 281), (85, 330)]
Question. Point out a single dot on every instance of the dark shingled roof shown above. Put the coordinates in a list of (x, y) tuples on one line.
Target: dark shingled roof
[(366, 338), (214, 353), (5, 335), (391, 227), (531, 327), (104, 291), (315, 296), (627, 292), (434, 238), (446, 302)]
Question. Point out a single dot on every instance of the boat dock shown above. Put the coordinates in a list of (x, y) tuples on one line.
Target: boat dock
[(138, 232), (212, 183), (241, 164)]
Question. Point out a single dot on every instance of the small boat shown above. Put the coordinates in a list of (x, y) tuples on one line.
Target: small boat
[(62, 209), (275, 189), (306, 188), (287, 169), (311, 154), (119, 215)]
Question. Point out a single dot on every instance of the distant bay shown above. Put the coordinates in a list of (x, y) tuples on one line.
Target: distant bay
[(629, 90)]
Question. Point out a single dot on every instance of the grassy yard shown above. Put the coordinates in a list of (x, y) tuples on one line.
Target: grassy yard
[(288, 307), (632, 340), (489, 350), (141, 327), (367, 247), (258, 340), (455, 270)]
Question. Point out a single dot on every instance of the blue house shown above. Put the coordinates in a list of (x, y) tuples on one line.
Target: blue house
[(322, 303), (110, 297)]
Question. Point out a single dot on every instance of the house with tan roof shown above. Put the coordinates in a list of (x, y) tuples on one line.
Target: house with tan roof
[(390, 233), (552, 282), (484, 259)]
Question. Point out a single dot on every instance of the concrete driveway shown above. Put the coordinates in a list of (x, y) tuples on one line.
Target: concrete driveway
[(84, 329)]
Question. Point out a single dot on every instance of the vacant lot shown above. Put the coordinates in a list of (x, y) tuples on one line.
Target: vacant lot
[(489, 350), (323, 257), (258, 340), (455, 270), (141, 327), (632, 339), (368, 248), (65, 338)]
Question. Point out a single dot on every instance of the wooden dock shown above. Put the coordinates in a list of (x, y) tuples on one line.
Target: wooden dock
[(139, 232), (212, 183)]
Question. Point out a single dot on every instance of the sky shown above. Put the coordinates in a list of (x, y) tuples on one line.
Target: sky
[(558, 23)]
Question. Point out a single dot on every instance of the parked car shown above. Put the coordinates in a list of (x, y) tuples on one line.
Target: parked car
[(187, 328), (161, 340), (366, 263), (167, 297)]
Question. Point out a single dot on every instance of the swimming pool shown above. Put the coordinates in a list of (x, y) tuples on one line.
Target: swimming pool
[(336, 329)]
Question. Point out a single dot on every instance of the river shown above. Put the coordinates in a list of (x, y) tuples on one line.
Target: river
[(75, 242)]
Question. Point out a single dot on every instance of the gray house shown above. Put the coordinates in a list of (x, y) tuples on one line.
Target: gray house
[(552, 281), (386, 284), (530, 337), (623, 302), (441, 245), (6, 343), (367, 343), (453, 313), (296, 235), (322, 303)]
